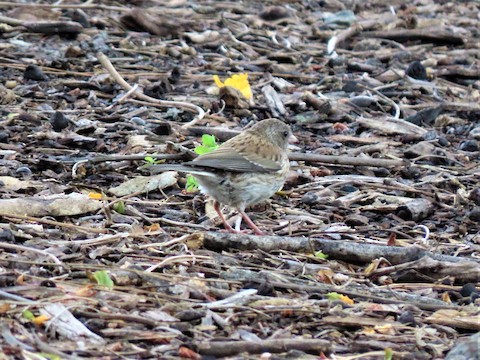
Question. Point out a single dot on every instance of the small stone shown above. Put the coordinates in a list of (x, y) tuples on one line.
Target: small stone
[(474, 215), (275, 13), (33, 72), (469, 145), (4, 136), (23, 170), (138, 120), (59, 121), (442, 141), (417, 71), (475, 196), (467, 289), (309, 198), (406, 317)]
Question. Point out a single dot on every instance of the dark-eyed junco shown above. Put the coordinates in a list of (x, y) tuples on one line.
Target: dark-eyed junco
[(243, 171)]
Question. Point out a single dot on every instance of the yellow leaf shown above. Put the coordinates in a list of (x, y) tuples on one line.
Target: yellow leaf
[(237, 81), (346, 299), (153, 227), (95, 196), (39, 320)]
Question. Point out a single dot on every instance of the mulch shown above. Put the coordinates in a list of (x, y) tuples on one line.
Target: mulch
[(372, 246)]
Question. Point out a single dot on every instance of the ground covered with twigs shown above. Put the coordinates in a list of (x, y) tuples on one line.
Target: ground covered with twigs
[(373, 246)]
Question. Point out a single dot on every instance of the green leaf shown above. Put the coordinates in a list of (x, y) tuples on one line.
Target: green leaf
[(388, 354), (102, 278), (149, 160), (333, 296), (209, 141), (321, 255), (201, 149), (119, 207), (192, 184), (27, 314)]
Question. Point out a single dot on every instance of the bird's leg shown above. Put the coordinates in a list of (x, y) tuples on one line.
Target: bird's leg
[(216, 206), (250, 223)]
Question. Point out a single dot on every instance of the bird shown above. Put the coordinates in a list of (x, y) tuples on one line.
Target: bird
[(243, 171)]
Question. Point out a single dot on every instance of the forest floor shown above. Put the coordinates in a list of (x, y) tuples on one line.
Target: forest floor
[(373, 246)]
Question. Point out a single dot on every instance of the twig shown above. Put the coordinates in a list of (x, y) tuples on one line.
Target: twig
[(30, 249), (347, 160), (65, 6), (82, 229), (162, 103)]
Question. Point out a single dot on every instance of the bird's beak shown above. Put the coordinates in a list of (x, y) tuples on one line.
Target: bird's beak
[(292, 139)]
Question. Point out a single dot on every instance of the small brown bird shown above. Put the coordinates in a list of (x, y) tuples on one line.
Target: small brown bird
[(243, 171)]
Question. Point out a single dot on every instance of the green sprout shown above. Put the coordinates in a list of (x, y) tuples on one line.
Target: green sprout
[(150, 160), (209, 143), (102, 278)]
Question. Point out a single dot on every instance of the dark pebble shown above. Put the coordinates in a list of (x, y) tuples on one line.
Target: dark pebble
[(309, 198), (33, 72), (4, 136), (59, 121), (406, 317), (468, 289), (417, 71), (469, 145), (23, 170), (475, 196), (274, 13), (474, 215), (339, 61), (442, 141)]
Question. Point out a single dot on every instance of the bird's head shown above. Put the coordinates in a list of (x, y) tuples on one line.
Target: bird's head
[(275, 131)]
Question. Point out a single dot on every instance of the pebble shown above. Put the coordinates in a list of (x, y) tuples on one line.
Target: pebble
[(417, 71), (469, 145), (33, 72), (59, 121)]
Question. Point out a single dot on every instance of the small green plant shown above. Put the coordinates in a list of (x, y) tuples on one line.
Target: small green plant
[(150, 160), (119, 207), (192, 184), (209, 143), (321, 255), (102, 278)]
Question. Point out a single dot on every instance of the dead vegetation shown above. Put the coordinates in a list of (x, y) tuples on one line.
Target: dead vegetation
[(373, 246)]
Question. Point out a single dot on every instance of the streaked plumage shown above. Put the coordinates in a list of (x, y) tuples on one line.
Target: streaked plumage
[(244, 170)]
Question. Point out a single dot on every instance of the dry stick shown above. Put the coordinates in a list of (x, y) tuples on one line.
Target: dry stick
[(357, 28), (162, 103), (82, 229), (29, 249), (65, 6), (104, 158), (230, 348), (335, 249), (347, 160), (45, 27)]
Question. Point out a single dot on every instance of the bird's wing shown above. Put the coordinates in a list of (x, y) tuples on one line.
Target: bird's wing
[(229, 159)]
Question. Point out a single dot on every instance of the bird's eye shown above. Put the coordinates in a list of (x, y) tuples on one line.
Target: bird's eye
[(286, 133)]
